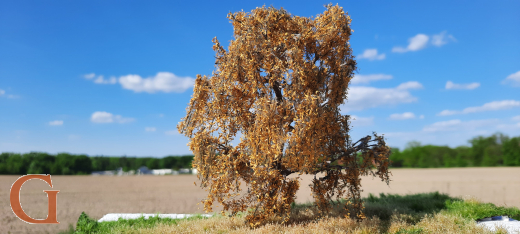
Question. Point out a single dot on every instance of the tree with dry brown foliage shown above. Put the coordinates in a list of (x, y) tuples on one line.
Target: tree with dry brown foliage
[(280, 84)]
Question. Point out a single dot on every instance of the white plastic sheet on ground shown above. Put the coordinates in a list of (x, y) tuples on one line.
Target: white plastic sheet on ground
[(116, 216), (511, 225)]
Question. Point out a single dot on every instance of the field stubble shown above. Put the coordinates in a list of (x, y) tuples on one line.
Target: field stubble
[(99, 195)]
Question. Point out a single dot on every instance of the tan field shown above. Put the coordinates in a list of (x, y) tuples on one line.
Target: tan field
[(99, 195)]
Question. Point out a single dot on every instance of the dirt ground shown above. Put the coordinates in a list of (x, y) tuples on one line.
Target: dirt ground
[(99, 195)]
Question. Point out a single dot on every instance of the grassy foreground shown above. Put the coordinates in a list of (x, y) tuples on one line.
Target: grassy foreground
[(418, 213)]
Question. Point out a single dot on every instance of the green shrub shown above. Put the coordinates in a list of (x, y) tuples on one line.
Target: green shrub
[(475, 210)]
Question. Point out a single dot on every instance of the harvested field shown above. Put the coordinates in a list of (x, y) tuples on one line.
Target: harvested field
[(99, 195)]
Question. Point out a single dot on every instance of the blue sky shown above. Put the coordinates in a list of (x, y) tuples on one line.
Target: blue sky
[(115, 77)]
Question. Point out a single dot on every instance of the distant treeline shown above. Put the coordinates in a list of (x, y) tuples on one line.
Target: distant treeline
[(68, 164), (496, 150)]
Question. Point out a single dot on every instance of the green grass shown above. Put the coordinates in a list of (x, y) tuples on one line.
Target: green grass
[(410, 209), (475, 210), (88, 225)]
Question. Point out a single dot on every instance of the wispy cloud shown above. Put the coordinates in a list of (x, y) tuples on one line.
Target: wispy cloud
[(458, 125), (490, 106), (100, 79), (162, 82), (442, 39), (447, 112), (362, 121), (89, 76), (105, 117), (150, 129), (365, 79), (509, 126), (410, 85), (362, 97), (2, 93), (513, 79), (371, 54), (451, 85), (516, 124), (418, 42), (56, 123), (403, 116)]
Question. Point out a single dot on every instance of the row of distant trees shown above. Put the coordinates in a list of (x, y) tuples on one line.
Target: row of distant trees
[(495, 150), (69, 164)]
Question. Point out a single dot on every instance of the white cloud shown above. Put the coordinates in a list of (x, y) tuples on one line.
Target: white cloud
[(513, 79), (516, 124), (505, 127), (100, 80), (105, 117), (410, 85), (2, 92), (442, 39), (362, 97), (89, 76), (399, 49), (171, 132), (56, 123), (365, 79), (421, 117), (361, 121), (371, 54), (150, 129), (417, 42), (163, 81), (451, 85), (490, 106), (442, 126), (447, 112), (457, 125), (403, 116)]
